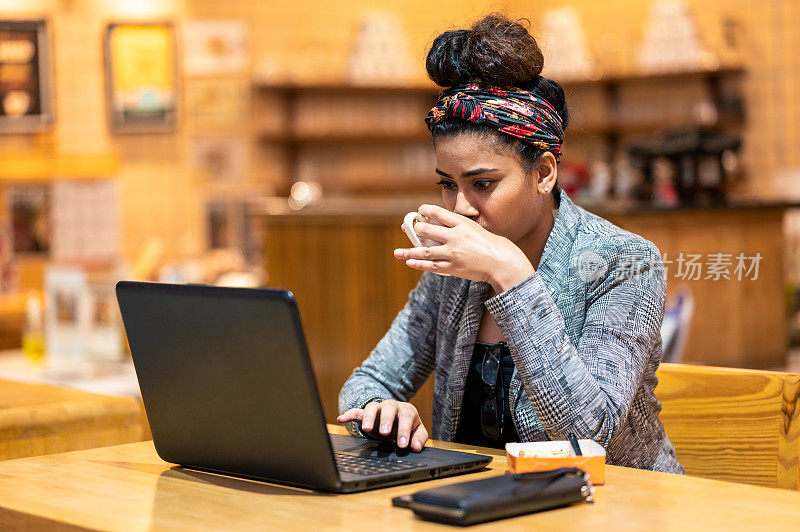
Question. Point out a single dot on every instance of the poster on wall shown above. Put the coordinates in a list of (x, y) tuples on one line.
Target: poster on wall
[(214, 47), (26, 76), (141, 81), (219, 159), (215, 102), (85, 222), (29, 210)]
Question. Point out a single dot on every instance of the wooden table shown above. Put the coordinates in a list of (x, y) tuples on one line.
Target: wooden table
[(127, 487)]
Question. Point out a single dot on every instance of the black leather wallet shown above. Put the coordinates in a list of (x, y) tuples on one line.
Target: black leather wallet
[(477, 501)]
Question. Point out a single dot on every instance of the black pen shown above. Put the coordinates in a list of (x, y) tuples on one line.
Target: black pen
[(574, 442)]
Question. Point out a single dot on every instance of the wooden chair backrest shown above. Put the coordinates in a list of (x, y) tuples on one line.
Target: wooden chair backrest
[(733, 424)]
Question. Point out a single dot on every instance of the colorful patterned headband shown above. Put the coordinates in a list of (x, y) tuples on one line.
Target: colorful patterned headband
[(512, 111)]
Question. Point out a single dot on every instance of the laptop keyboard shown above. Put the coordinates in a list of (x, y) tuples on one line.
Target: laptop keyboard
[(368, 465)]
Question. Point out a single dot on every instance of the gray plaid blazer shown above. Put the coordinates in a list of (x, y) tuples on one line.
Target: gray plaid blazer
[(584, 333)]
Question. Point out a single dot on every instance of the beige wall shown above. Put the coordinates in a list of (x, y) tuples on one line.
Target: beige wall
[(311, 38), (157, 195), (160, 196)]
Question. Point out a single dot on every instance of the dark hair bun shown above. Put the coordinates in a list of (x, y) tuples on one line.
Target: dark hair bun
[(495, 51)]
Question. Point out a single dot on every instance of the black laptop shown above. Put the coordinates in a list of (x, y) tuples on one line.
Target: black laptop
[(228, 387)]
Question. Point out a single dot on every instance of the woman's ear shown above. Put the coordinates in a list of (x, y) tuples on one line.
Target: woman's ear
[(547, 173)]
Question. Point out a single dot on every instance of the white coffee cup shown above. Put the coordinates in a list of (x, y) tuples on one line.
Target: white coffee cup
[(408, 227)]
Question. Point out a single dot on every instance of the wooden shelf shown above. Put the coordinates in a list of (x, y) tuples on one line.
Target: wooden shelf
[(614, 130), (356, 138), (654, 77), (46, 167), (434, 89), (348, 87), (626, 128), (619, 128)]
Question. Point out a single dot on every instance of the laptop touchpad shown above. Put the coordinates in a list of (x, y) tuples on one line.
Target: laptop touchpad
[(366, 447)]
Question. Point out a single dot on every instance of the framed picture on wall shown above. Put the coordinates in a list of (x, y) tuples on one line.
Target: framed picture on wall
[(141, 80), (26, 76), (219, 159), (215, 47), (85, 222), (28, 208), (209, 103)]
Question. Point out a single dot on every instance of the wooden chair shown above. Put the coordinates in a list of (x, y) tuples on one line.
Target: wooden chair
[(676, 324), (733, 424)]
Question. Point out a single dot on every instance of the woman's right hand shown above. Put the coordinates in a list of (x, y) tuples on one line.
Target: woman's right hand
[(390, 418)]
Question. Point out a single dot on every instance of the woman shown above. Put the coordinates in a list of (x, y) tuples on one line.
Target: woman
[(548, 320)]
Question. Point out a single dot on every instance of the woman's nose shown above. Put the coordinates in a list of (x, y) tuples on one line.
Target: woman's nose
[(464, 207)]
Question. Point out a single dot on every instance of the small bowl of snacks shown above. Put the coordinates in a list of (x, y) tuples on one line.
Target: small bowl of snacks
[(528, 457)]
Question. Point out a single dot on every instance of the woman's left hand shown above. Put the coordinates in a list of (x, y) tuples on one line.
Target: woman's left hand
[(468, 251)]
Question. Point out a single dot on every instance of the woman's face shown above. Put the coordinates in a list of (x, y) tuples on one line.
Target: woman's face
[(483, 180)]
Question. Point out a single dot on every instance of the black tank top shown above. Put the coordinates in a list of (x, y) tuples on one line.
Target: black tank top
[(471, 428)]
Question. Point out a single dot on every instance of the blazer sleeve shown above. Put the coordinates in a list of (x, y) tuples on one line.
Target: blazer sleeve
[(587, 389), (403, 359)]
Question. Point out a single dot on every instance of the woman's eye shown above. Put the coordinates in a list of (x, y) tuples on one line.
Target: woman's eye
[(482, 184), (447, 185)]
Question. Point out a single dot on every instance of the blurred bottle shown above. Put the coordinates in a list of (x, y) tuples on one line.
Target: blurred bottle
[(665, 193), (33, 331)]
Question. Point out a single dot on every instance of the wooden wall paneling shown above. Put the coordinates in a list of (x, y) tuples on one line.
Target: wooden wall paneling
[(713, 331), (353, 278), (352, 311), (349, 288), (356, 271), (736, 323), (764, 234), (314, 295), (319, 294)]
